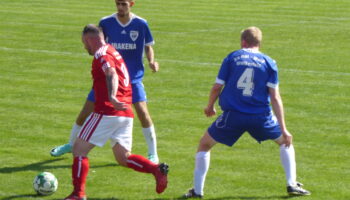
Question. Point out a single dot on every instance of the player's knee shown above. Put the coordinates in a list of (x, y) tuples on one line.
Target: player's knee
[(204, 146), (280, 140), (79, 151), (206, 142)]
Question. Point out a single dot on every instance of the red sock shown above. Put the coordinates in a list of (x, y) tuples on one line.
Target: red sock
[(141, 164), (80, 169)]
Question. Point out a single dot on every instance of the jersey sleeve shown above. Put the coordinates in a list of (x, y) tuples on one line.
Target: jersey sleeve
[(272, 81), (223, 72), (107, 62), (148, 36)]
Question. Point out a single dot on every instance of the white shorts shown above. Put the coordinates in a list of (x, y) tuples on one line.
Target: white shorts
[(98, 128)]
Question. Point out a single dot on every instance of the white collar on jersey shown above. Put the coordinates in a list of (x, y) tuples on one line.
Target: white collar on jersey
[(133, 16), (251, 50), (101, 51)]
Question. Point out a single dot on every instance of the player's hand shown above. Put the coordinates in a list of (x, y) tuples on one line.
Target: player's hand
[(118, 105), (209, 111), (154, 66), (288, 138)]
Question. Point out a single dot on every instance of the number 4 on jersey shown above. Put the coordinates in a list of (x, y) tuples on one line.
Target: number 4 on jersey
[(245, 82)]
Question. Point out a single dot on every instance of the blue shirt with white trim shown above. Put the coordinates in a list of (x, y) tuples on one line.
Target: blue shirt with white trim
[(246, 75), (130, 40)]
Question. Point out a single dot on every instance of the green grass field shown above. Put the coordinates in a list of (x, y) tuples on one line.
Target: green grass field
[(45, 77)]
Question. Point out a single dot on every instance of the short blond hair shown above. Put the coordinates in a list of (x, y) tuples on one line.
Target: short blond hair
[(252, 36)]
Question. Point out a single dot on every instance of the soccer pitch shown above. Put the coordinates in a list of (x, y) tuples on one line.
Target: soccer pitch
[(45, 78)]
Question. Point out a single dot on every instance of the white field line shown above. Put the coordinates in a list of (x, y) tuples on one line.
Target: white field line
[(234, 26), (172, 61), (45, 52), (310, 20)]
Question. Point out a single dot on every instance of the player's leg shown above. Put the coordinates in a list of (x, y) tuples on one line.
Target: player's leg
[(287, 155), (95, 132), (142, 164), (148, 130), (87, 109), (84, 113), (270, 129), (121, 146), (140, 103), (80, 169), (201, 164), (224, 130)]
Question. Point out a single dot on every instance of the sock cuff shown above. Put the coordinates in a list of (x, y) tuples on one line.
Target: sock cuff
[(202, 154), (81, 158), (149, 129), (283, 147)]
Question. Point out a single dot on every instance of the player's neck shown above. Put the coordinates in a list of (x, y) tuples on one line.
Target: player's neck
[(251, 47), (98, 45), (124, 19)]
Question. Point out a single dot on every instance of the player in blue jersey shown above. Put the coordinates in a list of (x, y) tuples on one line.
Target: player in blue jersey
[(246, 84), (131, 36)]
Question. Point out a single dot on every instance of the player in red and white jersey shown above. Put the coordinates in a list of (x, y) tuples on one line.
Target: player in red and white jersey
[(107, 57), (112, 117)]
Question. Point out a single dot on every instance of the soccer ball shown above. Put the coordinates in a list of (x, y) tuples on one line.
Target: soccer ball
[(45, 183)]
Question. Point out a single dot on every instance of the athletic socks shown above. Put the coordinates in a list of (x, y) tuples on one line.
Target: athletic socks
[(80, 169), (287, 155), (74, 132), (151, 140), (141, 164), (200, 171)]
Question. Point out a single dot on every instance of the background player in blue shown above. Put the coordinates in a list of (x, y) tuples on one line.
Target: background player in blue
[(131, 36), (246, 84)]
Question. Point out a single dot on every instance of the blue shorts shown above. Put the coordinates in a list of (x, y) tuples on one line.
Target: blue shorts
[(138, 93), (230, 126), (91, 96)]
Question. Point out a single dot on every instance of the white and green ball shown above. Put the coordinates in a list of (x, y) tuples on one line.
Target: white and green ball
[(45, 183)]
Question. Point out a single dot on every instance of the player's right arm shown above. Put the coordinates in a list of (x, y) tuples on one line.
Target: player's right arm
[(277, 107), (213, 96), (217, 87), (112, 87)]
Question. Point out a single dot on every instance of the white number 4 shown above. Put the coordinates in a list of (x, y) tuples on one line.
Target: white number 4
[(245, 82)]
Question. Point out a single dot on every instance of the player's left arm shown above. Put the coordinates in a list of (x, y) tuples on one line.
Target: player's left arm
[(150, 57), (277, 107), (112, 87)]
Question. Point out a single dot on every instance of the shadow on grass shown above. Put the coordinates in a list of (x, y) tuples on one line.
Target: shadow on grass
[(43, 165), (26, 196), (21, 196), (92, 198), (252, 197), (233, 197), (34, 196)]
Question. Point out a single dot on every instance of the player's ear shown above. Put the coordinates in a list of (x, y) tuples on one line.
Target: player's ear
[(132, 3)]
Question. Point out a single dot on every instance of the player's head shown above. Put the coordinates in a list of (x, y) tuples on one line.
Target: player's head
[(251, 37), (92, 37), (124, 6)]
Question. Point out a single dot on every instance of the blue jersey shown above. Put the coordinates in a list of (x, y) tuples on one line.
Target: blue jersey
[(247, 75), (130, 40)]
